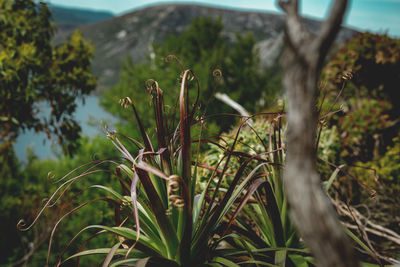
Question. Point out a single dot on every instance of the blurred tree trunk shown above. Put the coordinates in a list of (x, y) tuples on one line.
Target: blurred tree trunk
[(312, 212)]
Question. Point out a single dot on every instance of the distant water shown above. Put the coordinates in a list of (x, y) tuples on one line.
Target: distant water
[(91, 117)]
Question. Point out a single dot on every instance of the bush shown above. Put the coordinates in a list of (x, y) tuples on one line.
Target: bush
[(23, 190)]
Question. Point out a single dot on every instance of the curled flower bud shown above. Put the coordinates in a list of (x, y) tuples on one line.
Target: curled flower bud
[(125, 102), (173, 186), (217, 73), (348, 75)]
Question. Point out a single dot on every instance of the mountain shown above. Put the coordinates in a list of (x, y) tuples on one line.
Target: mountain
[(67, 19), (75, 16), (133, 34)]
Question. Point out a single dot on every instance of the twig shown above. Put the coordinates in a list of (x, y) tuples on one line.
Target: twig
[(374, 228), (236, 106)]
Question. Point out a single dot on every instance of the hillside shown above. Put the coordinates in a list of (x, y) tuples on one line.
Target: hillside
[(73, 16), (132, 34), (67, 19)]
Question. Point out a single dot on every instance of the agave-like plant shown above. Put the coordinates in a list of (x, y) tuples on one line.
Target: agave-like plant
[(266, 220), (261, 232), (159, 219)]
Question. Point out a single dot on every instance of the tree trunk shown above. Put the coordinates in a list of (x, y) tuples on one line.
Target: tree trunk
[(311, 210)]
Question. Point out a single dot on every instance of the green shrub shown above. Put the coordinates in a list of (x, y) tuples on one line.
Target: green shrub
[(367, 123), (23, 190), (385, 171), (364, 121)]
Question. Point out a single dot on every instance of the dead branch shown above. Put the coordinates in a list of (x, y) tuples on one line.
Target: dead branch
[(366, 224), (363, 224)]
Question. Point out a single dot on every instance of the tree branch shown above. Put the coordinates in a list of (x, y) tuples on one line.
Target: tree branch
[(290, 6), (311, 210), (296, 33), (331, 27), (236, 106)]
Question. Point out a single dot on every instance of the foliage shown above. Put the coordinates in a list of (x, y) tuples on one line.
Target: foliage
[(34, 73), (179, 205), (244, 80), (369, 106), (262, 229), (387, 167), (383, 174), (171, 225), (374, 61), (252, 140), (23, 189), (360, 128), (133, 77), (361, 103), (328, 151), (367, 122), (159, 219), (204, 50)]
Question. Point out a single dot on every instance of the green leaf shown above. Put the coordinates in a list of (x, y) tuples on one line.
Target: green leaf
[(366, 264), (258, 263), (332, 178), (144, 243), (110, 190), (14, 120), (298, 260), (169, 236), (100, 251), (224, 262), (123, 262), (359, 242), (156, 261), (280, 257), (111, 254)]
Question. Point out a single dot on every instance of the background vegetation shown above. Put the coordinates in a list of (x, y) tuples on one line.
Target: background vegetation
[(362, 136), (202, 48)]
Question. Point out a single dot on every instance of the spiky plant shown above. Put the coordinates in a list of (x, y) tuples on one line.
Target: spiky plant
[(261, 230), (159, 219)]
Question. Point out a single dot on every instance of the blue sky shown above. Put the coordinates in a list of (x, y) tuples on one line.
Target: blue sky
[(373, 15)]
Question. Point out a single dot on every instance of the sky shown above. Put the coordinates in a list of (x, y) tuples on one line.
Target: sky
[(378, 16)]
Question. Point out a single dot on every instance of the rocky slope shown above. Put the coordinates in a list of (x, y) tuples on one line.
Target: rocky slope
[(133, 34)]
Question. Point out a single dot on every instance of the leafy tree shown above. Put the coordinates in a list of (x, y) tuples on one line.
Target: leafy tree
[(34, 74), (198, 42), (245, 82)]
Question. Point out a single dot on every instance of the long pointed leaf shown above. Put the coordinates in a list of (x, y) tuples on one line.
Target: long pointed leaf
[(253, 187), (156, 205), (224, 262), (97, 251), (186, 142), (111, 254)]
